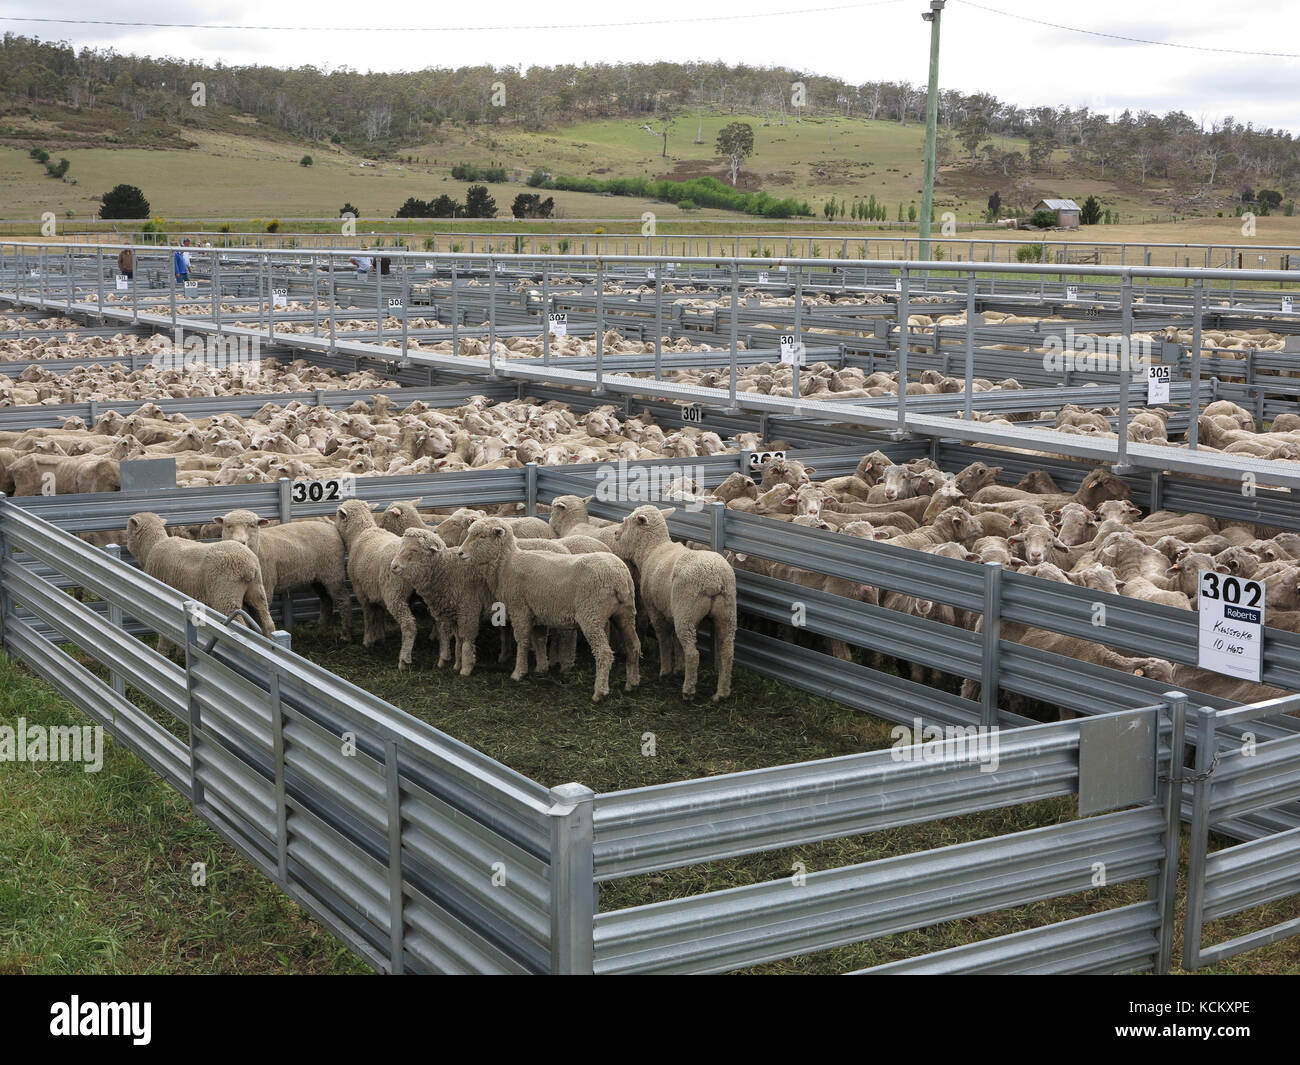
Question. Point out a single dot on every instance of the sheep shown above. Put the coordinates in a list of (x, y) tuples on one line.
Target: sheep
[(401, 515), (453, 530), (588, 591), (370, 555), (679, 588), (31, 474), (298, 555), (569, 517), (224, 576)]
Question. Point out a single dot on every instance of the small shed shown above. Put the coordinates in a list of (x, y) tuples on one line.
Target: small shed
[(1066, 211)]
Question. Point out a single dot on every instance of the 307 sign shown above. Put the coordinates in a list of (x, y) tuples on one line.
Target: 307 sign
[(327, 491)]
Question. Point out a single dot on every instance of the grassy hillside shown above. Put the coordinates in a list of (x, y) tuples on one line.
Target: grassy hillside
[(246, 170)]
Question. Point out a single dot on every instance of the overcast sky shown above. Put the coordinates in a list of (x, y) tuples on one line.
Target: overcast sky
[(1016, 60)]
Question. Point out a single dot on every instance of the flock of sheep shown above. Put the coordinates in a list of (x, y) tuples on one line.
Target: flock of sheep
[(547, 580)]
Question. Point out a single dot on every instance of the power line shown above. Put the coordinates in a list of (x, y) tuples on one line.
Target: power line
[(1130, 40), (452, 29)]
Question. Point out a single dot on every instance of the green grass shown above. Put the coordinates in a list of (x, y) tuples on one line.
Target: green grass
[(95, 872)]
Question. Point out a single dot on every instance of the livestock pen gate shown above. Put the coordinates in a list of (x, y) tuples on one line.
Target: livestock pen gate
[(424, 855)]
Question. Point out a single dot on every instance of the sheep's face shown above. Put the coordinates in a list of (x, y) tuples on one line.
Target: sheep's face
[(417, 545), (241, 526), (488, 540), (642, 524), (900, 483), (353, 516)]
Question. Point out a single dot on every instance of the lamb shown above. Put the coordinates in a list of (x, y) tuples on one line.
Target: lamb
[(455, 591), (298, 555), (370, 555), (538, 589), (679, 589), (953, 524), (224, 576), (401, 515)]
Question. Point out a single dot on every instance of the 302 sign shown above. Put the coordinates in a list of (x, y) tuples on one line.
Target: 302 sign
[(328, 491), (1231, 625)]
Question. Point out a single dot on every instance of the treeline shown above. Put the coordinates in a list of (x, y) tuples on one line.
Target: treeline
[(381, 112)]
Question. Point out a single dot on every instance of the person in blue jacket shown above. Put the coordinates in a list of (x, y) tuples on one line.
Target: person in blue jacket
[(181, 261)]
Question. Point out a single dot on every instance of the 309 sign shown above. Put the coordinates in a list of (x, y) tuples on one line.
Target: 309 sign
[(328, 491)]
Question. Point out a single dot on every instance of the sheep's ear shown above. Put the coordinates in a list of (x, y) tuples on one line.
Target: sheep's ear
[(132, 522), (215, 521), (810, 469), (498, 531), (588, 499), (880, 534), (741, 558), (972, 557), (668, 512), (263, 521), (1059, 544), (1220, 568), (1139, 672), (557, 505), (1017, 539), (1016, 563), (1121, 585), (641, 519)]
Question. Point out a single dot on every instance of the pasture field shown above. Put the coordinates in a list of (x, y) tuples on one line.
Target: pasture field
[(248, 171), (94, 868)]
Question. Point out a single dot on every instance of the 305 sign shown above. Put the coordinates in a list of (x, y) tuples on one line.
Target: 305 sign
[(327, 491)]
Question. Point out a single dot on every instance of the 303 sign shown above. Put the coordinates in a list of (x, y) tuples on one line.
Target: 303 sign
[(328, 491)]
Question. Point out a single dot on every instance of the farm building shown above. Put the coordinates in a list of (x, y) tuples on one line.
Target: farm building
[(1066, 211)]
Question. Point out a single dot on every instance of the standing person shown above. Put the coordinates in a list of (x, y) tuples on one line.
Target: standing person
[(126, 262), (181, 261)]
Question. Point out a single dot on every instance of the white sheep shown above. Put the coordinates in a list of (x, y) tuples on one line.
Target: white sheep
[(302, 554), (540, 590), (371, 551), (224, 576), (679, 589)]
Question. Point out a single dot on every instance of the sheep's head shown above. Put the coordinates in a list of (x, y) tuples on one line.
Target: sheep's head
[(566, 507), (353, 516), (241, 526), (647, 524), (416, 546), (488, 540)]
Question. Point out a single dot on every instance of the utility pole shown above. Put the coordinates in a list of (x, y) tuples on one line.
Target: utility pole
[(931, 125)]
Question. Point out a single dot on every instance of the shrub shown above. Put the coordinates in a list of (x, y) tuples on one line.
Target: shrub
[(40, 155), (686, 205), (57, 170), (306, 160), (478, 204), (1031, 253), (273, 226), (123, 201), (347, 208), (467, 172), (414, 208), (1090, 212), (537, 178), (1044, 219)]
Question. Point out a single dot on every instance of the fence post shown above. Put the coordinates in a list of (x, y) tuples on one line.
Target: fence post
[(1121, 465), (192, 704), (116, 681), (285, 487), (992, 633), (1206, 719), (277, 758), (573, 885), (1165, 887), (717, 526), (901, 360), (530, 480), (1198, 311), (396, 893), (6, 604)]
